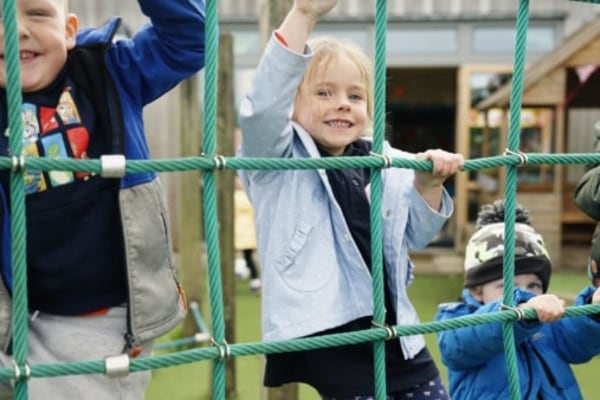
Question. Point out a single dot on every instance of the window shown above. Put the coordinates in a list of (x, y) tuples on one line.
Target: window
[(422, 41), (502, 39), (246, 43)]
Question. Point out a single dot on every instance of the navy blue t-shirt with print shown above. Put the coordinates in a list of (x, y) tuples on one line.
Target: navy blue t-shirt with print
[(75, 255)]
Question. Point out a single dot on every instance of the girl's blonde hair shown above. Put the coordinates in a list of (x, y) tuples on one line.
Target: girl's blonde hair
[(326, 49)]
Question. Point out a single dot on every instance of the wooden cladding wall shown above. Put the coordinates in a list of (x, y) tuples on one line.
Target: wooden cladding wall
[(423, 8)]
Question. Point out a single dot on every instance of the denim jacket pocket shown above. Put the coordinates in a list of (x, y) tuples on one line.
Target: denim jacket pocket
[(304, 266)]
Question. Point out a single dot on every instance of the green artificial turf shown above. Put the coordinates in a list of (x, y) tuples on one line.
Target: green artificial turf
[(193, 381)]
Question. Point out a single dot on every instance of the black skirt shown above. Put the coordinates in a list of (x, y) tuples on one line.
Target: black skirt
[(348, 370)]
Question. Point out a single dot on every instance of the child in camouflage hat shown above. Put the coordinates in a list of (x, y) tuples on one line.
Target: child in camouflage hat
[(474, 355)]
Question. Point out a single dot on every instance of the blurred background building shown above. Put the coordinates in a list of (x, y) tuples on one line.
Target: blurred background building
[(449, 66)]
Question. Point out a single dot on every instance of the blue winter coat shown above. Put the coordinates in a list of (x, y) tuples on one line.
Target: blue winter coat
[(159, 56), (475, 357)]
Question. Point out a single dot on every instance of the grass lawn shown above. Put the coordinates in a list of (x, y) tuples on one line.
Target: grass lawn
[(193, 381)]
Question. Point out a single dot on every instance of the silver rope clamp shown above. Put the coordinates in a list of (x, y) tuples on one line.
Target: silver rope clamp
[(220, 161), (523, 160), (224, 349), (387, 160), (117, 366), (519, 311), (113, 165), (17, 370), (390, 330), (18, 163)]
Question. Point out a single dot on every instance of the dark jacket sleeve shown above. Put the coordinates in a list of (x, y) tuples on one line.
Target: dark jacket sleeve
[(164, 52), (586, 327), (587, 193)]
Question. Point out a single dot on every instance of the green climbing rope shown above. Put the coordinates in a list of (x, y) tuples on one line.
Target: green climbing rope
[(211, 163)]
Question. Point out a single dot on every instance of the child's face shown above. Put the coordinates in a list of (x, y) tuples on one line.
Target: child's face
[(46, 32), (493, 291), (332, 105)]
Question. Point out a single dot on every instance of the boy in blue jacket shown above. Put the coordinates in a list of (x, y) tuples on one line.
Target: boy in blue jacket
[(101, 279), (474, 355)]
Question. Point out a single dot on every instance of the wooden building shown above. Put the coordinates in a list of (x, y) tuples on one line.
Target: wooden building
[(561, 114), (443, 57)]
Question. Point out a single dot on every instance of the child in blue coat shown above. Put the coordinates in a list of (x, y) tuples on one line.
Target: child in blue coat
[(475, 356), (100, 272)]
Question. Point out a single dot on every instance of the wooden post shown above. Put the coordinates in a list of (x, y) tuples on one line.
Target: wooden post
[(226, 118), (272, 13), (192, 263)]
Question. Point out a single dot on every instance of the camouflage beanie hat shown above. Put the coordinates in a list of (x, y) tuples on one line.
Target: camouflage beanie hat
[(485, 252)]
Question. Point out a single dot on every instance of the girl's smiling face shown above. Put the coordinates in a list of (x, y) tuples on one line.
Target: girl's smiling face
[(332, 106)]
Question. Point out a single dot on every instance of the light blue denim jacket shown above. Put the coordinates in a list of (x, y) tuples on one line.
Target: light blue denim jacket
[(314, 277)]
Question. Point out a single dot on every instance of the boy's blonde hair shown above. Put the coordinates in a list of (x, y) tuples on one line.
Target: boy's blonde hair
[(326, 49)]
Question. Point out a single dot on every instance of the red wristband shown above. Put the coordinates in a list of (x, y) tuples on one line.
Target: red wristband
[(281, 39)]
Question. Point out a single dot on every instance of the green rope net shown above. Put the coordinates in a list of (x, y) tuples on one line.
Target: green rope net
[(21, 371)]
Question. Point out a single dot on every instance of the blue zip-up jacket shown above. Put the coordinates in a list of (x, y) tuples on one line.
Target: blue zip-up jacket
[(162, 54), (313, 273), (475, 357)]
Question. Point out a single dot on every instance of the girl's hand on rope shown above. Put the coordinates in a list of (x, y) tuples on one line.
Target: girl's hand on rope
[(548, 307), (445, 164)]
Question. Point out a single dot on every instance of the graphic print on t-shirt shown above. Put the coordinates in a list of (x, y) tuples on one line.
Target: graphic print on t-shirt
[(55, 133)]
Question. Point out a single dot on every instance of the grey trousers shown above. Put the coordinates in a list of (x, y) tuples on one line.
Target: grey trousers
[(55, 339)]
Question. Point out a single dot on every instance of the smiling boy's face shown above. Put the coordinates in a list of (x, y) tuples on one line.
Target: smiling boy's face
[(46, 33)]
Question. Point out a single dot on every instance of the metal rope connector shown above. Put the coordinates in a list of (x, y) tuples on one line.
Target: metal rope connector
[(224, 349), (17, 369), (390, 330), (117, 366), (220, 161), (519, 311), (113, 165), (522, 156), (387, 160), (18, 163)]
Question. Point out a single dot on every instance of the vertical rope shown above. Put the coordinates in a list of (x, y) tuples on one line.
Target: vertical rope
[(211, 223), (510, 195), (17, 195), (376, 188)]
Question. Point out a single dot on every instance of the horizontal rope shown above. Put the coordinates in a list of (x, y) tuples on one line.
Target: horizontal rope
[(236, 163)]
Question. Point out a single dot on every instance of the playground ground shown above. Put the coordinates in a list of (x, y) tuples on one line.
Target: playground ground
[(193, 381)]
